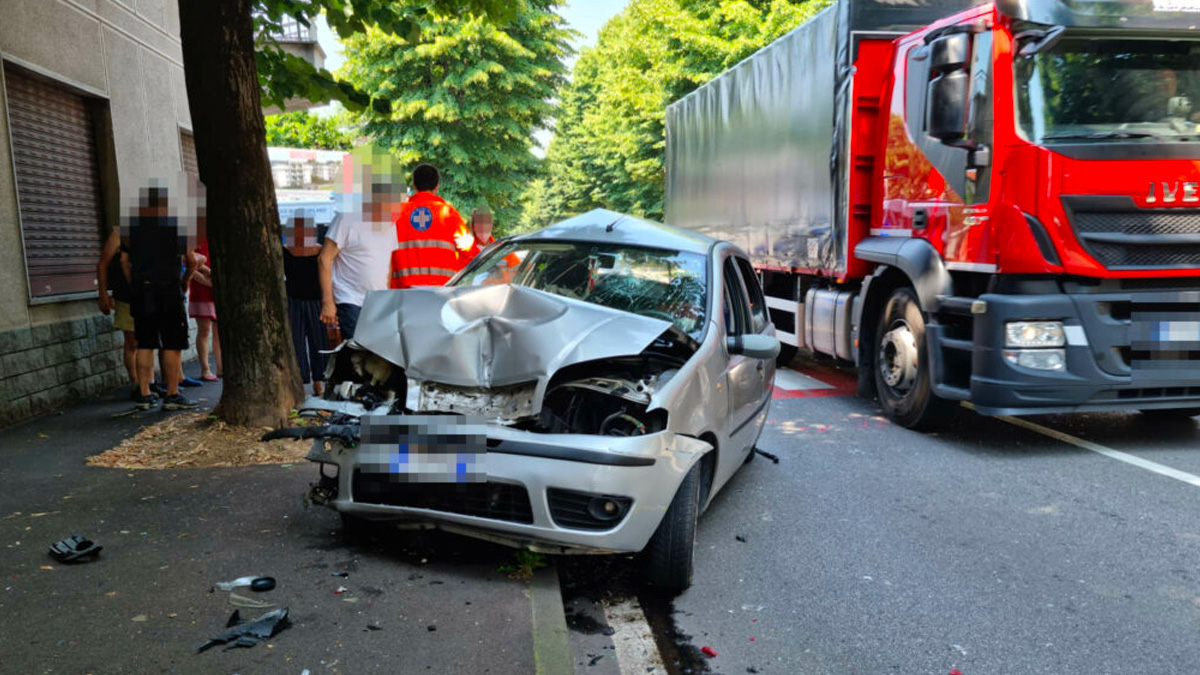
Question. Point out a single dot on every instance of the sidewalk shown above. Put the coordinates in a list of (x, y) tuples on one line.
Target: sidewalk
[(415, 602)]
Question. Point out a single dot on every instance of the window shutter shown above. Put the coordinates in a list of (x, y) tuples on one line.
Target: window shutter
[(58, 184), (187, 147)]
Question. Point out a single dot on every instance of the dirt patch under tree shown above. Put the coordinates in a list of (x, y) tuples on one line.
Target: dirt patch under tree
[(198, 440)]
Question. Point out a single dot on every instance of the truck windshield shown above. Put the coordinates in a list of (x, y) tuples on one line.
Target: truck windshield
[(1101, 90)]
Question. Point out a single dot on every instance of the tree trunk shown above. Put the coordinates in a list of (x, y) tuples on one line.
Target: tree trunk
[(261, 376)]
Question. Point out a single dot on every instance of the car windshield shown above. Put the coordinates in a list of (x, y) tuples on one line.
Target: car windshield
[(1094, 90), (658, 283)]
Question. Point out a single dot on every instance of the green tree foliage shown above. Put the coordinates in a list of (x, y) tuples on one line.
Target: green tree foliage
[(467, 98), (608, 148), (306, 130)]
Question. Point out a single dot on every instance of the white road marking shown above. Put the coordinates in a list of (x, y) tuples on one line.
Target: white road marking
[(1160, 469), (636, 650), (786, 378)]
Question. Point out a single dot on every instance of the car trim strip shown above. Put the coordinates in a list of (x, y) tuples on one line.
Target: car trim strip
[(527, 449), (749, 419)]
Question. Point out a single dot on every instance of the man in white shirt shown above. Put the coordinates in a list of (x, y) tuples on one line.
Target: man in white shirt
[(356, 255)]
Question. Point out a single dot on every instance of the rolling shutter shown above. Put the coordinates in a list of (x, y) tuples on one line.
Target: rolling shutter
[(187, 148), (58, 184)]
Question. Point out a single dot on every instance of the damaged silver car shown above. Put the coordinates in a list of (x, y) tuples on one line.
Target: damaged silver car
[(583, 389)]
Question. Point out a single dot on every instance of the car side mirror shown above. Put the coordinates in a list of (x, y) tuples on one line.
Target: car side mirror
[(753, 346)]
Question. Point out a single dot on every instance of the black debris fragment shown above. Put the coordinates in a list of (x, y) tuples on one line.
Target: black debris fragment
[(74, 548), (773, 458), (339, 574), (595, 659), (751, 669), (740, 538), (374, 626), (234, 619), (436, 583), (248, 634), (431, 628), (262, 584)]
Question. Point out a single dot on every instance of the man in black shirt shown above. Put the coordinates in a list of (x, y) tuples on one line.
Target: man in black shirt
[(158, 251)]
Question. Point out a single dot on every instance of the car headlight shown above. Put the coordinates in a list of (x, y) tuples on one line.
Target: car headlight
[(1037, 359), (1034, 334)]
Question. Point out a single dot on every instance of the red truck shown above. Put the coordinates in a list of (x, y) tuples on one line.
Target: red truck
[(996, 203)]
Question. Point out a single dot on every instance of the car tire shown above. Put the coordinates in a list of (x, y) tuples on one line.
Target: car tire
[(669, 555), (1170, 413), (750, 457), (903, 382), (786, 354)]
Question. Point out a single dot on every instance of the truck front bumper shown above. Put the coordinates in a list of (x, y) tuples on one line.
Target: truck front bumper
[(1125, 350)]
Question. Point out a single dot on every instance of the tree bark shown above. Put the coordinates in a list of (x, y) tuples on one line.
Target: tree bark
[(261, 381)]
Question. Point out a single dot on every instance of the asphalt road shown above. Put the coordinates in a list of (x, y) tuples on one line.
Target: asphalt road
[(986, 547)]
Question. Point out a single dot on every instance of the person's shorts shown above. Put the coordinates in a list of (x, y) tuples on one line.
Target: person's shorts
[(202, 309), (159, 321), (123, 317)]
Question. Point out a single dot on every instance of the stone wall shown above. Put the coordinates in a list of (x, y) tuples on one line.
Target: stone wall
[(45, 367)]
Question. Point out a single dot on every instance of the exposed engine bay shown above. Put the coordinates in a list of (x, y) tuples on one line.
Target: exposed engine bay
[(611, 397)]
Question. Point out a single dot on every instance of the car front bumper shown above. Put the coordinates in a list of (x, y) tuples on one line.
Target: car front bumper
[(646, 469)]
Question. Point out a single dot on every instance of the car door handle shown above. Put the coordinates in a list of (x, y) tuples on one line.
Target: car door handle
[(761, 364)]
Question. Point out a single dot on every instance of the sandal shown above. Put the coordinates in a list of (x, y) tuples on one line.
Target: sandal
[(210, 378), (73, 548)]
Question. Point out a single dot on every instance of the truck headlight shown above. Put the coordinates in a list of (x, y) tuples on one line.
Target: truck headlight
[(1037, 359), (1034, 334)]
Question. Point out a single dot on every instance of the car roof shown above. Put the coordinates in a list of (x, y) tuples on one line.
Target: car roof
[(604, 226)]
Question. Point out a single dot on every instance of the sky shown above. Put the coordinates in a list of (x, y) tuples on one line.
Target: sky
[(585, 16)]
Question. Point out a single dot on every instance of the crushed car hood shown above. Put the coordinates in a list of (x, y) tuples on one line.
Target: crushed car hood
[(492, 336)]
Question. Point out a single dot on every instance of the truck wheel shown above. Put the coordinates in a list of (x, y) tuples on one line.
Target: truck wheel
[(786, 354), (668, 556), (902, 378)]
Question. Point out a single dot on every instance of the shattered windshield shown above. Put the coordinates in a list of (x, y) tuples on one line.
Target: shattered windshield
[(663, 284), (1086, 89)]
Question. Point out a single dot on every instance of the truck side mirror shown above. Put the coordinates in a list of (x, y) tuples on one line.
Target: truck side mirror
[(949, 52), (946, 106)]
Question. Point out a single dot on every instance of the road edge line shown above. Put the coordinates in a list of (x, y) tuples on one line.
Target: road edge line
[(1134, 460), (551, 642)]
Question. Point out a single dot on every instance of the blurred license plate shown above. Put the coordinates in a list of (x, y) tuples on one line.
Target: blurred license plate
[(424, 448)]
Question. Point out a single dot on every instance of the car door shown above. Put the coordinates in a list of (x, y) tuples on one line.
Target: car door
[(745, 375), (760, 323)]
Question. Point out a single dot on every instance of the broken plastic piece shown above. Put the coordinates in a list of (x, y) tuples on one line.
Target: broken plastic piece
[(242, 601), (339, 574), (248, 634), (740, 538), (262, 584), (764, 453), (708, 651), (240, 581), (73, 548)]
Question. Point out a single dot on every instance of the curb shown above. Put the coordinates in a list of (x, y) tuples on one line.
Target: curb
[(551, 642)]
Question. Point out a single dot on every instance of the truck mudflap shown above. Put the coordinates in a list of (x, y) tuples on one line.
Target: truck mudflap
[(1123, 351)]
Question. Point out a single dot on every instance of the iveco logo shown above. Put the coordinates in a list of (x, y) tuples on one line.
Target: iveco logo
[(1171, 193)]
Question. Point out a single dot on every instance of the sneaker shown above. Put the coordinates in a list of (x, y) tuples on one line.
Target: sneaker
[(191, 382), (145, 402), (179, 402), (157, 389), (135, 392)]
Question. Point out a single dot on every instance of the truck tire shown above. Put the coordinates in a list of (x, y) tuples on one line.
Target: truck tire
[(902, 375), (669, 554), (786, 354)]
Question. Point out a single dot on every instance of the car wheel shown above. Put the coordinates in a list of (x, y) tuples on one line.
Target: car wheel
[(786, 354), (902, 377), (668, 556), (1170, 413)]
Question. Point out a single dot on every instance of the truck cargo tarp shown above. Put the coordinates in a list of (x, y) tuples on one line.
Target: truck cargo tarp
[(750, 154)]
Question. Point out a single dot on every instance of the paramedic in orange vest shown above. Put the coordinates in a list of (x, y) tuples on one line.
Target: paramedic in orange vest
[(433, 241)]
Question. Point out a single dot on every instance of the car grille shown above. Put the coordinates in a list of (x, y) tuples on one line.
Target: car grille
[(1119, 235), (497, 501), (570, 509)]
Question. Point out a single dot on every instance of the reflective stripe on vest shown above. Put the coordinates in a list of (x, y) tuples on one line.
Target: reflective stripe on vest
[(426, 243)]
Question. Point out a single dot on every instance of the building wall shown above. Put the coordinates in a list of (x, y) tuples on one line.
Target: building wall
[(128, 53)]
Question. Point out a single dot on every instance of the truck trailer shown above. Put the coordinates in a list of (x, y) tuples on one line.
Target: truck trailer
[(988, 202)]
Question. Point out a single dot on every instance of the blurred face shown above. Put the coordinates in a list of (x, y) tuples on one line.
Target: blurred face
[(481, 224), (1166, 83)]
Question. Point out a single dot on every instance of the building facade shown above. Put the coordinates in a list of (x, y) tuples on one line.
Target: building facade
[(92, 100)]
